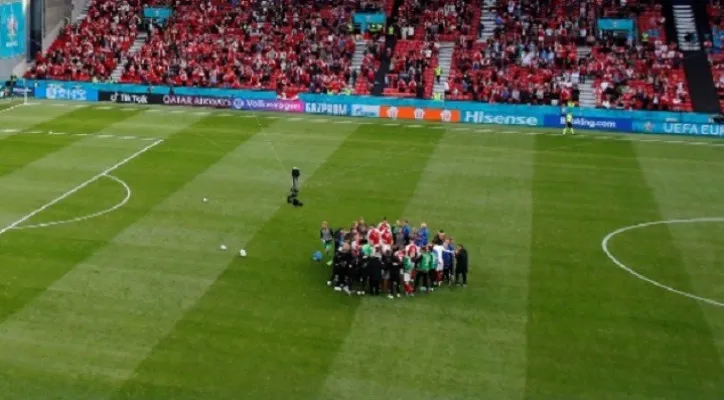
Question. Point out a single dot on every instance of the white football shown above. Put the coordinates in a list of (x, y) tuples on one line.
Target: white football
[(222, 247), (205, 200), (242, 253)]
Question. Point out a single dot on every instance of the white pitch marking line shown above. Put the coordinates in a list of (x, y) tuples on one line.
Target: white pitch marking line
[(103, 108), (151, 110), (698, 143), (104, 136), (89, 216), (36, 132), (271, 117), (176, 111), (202, 113), (127, 137), (224, 115), (60, 133), (11, 108), (58, 105), (319, 120), (295, 119), (128, 109), (79, 187), (11, 130), (391, 124), (414, 126), (79, 134), (79, 105), (604, 246)]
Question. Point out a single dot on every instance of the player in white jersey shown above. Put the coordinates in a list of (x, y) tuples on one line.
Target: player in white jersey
[(438, 250)]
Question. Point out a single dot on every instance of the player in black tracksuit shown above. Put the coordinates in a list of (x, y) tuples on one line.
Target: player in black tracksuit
[(340, 266), (374, 271), (461, 266), (358, 274), (394, 267)]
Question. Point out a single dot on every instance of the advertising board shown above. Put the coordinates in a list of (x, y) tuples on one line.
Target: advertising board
[(419, 113), (66, 92), (327, 108), (294, 106), (678, 128), (608, 124), (12, 29), (483, 117)]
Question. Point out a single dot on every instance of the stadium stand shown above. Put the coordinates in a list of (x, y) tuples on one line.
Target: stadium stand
[(91, 49), (716, 47), (534, 55), (253, 45), (412, 69)]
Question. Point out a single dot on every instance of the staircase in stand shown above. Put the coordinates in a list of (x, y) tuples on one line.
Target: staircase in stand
[(135, 47), (359, 54), (83, 11), (487, 19), (686, 33), (587, 97), (444, 61)]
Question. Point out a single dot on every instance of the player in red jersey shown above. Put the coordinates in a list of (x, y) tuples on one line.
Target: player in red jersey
[(387, 239), (374, 237), (384, 225), (412, 250)]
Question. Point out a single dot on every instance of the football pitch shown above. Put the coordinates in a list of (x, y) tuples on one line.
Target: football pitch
[(596, 261)]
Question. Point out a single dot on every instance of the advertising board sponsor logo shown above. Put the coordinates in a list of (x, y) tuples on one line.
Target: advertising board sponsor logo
[(420, 114), (583, 122), (12, 29), (22, 91), (327, 108), (75, 93), (363, 110), (294, 106), (481, 117), (197, 101), (679, 128), (129, 98)]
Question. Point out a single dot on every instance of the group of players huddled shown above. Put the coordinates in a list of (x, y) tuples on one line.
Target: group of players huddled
[(392, 258)]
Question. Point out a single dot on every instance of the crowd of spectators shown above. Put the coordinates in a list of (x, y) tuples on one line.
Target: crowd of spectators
[(90, 50), (294, 46), (364, 78), (411, 69), (641, 76), (532, 58), (277, 45), (715, 47)]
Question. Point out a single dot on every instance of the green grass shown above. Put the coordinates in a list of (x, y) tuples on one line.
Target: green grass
[(140, 303)]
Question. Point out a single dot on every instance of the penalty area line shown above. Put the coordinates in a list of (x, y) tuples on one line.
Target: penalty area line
[(79, 187)]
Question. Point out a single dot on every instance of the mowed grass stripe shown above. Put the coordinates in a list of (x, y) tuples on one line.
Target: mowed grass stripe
[(47, 337), (460, 343), (687, 184), (594, 331), (22, 149), (269, 327)]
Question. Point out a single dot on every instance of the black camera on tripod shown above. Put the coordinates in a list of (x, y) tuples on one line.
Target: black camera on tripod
[(292, 197)]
